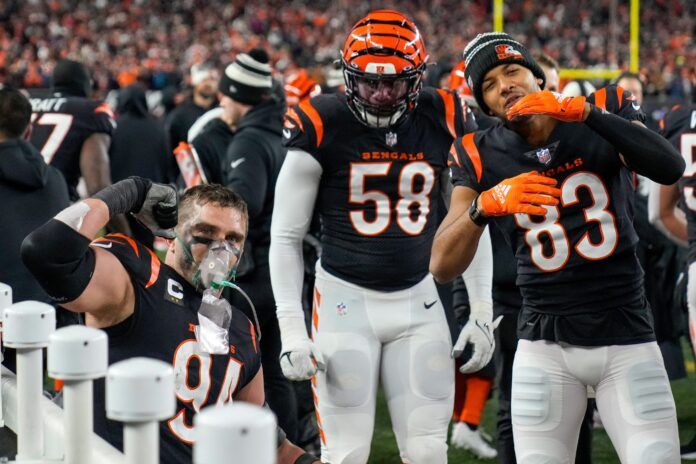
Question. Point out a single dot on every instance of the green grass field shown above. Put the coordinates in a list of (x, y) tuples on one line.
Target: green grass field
[(384, 450)]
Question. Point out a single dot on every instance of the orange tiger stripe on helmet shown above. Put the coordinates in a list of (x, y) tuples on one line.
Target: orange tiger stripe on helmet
[(389, 35), (382, 49)]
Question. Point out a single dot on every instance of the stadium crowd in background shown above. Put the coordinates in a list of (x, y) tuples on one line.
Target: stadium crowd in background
[(156, 43), (177, 73)]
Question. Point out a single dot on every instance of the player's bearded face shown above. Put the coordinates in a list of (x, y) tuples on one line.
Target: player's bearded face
[(208, 88), (207, 225), (505, 84), (382, 92)]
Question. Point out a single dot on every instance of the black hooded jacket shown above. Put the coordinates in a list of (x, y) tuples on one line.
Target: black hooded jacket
[(211, 145), (252, 163), (139, 144), (32, 192)]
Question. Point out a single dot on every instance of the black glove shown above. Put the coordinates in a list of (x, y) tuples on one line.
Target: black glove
[(154, 205), (160, 210)]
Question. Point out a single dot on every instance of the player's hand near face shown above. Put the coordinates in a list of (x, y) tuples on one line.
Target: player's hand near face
[(555, 105), (159, 211), (524, 193)]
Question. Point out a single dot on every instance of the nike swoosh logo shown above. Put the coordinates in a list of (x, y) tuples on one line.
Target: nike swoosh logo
[(103, 245), (236, 163), (286, 133), (485, 332), (287, 355), (429, 305)]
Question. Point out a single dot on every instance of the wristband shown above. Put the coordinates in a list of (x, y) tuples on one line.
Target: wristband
[(475, 214)]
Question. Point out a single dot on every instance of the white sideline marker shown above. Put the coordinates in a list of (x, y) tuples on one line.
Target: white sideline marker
[(5, 301), (77, 355), (27, 327), (242, 430), (140, 393)]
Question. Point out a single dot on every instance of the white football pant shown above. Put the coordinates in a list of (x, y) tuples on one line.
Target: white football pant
[(401, 337), (634, 399), (691, 299)]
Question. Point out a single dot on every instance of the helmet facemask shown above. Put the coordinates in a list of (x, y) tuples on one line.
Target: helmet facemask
[(382, 100), (383, 61)]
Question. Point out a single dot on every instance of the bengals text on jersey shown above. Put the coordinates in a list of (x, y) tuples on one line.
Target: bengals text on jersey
[(377, 197), (576, 267)]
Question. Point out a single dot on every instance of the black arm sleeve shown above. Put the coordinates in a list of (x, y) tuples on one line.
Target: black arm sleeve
[(645, 152), (60, 258), (125, 196), (246, 173)]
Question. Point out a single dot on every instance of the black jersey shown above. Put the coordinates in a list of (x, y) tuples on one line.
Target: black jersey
[(577, 269), (679, 127), (61, 124), (162, 327), (506, 295), (377, 198)]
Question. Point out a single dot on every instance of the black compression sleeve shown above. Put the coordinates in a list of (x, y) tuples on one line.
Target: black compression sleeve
[(125, 196), (644, 151), (60, 259)]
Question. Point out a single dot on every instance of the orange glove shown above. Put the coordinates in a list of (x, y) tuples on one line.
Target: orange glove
[(524, 193), (552, 104)]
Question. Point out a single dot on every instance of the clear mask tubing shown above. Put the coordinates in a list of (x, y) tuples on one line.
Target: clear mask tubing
[(211, 273)]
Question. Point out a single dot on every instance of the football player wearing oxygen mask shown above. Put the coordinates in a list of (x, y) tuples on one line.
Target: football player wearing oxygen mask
[(212, 274), (168, 310)]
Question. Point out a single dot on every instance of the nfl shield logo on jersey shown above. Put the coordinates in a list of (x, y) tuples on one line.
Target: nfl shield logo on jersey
[(543, 155), (341, 309), (391, 139)]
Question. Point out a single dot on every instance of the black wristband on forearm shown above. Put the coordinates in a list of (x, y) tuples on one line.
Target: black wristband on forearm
[(644, 151), (305, 459), (125, 196), (476, 215)]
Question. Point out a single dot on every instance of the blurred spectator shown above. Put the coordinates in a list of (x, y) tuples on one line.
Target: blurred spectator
[(72, 131), (633, 83), (550, 68), (579, 87), (335, 83), (137, 40), (31, 191), (149, 157), (204, 80), (250, 168)]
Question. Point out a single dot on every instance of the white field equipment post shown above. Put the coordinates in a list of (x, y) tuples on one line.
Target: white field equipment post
[(139, 392), (40, 425), (54, 426), (27, 326), (242, 430), (5, 301), (77, 355)]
